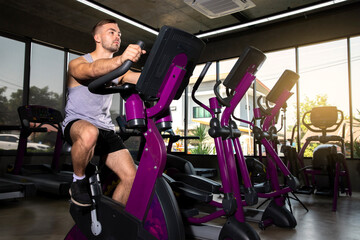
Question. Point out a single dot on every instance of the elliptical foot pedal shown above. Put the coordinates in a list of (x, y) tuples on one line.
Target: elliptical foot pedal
[(278, 215), (234, 229), (189, 212)]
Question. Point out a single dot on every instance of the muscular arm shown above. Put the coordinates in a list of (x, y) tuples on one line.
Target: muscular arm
[(83, 71)]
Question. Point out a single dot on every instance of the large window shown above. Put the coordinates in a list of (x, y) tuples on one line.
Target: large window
[(324, 80), (12, 60)]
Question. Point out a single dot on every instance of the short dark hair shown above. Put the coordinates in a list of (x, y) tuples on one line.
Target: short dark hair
[(101, 23)]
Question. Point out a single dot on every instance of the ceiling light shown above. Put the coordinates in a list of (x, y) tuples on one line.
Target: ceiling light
[(269, 19), (118, 16)]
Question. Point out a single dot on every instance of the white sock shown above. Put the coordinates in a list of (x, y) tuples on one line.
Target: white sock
[(76, 177)]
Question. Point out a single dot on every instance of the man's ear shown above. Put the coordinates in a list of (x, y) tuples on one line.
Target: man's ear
[(97, 38)]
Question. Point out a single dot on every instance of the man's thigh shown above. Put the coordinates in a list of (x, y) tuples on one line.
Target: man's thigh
[(121, 163)]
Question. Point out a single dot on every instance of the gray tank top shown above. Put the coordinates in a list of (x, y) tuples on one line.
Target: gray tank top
[(82, 104)]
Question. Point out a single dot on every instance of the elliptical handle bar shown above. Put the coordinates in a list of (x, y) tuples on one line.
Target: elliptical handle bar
[(223, 101), (201, 77), (196, 86), (97, 86), (265, 111), (311, 126)]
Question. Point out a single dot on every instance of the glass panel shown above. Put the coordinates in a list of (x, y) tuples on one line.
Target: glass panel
[(46, 84), (46, 76), (355, 84), (323, 81), (11, 79), (274, 66)]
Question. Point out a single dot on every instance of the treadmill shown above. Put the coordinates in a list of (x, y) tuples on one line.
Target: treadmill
[(12, 189), (46, 177)]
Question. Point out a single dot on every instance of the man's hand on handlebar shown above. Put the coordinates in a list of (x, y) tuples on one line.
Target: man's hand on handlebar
[(133, 53)]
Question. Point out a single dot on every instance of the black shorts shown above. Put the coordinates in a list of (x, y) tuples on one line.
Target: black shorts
[(108, 141)]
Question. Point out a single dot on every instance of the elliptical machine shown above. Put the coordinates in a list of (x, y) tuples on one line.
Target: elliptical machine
[(327, 160), (151, 211), (268, 114), (226, 135), (275, 213)]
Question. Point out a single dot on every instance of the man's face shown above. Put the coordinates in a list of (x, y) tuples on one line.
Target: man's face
[(110, 37)]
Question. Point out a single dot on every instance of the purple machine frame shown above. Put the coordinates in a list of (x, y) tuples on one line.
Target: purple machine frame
[(153, 160), (279, 95), (274, 160)]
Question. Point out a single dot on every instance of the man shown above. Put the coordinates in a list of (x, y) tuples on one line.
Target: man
[(87, 120)]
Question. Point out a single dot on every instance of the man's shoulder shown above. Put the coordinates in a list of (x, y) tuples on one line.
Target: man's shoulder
[(76, 62), (80, 59)]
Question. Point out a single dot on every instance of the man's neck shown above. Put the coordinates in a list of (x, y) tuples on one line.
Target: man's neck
[(101, 53)]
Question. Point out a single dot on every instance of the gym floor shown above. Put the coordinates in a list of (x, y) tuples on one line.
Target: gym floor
[(47, 217)]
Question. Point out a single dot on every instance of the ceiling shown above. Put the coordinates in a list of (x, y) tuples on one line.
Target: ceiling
[(153, 13)]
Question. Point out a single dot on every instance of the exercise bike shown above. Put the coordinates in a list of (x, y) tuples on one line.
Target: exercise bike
[(151, 211)]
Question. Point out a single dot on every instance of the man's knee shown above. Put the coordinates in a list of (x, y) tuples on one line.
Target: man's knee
[(86, 135)]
